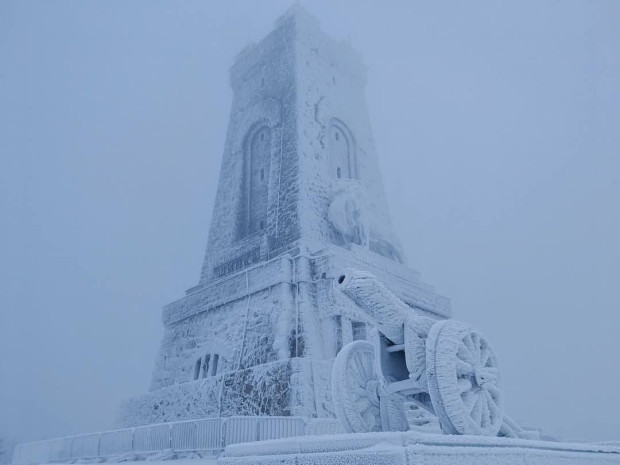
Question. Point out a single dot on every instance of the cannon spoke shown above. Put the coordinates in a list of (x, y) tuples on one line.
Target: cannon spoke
[(475, 338), (485, 357), (493, 391), (476, 412), (357, 377), (465, 354), (492, 405), (469, 344), (469, 399), (486, 413), (463, 368)]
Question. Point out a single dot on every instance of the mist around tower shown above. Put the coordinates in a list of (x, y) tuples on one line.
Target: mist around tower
[(409, 244)]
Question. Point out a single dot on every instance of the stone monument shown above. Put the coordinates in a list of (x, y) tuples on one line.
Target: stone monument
[(300, 198)]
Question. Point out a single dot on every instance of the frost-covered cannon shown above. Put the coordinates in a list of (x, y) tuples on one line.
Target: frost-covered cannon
[(444, 366)]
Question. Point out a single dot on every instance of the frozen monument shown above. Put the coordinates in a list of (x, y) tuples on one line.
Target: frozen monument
[(305, 306), (307, 339), (299, 199)]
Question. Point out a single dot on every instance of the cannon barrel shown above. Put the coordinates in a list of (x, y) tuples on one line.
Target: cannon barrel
[(382, 307)]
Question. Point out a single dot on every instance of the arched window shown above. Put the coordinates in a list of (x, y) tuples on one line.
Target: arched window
[(341, 156), (256, 182)]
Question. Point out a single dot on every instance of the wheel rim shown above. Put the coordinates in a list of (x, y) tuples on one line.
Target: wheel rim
[(464, 381), (354, 388)]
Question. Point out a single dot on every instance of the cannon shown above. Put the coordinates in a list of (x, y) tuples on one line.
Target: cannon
[(442, 365)]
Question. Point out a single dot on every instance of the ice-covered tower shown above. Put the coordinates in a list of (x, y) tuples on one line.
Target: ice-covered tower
[(300, 197)]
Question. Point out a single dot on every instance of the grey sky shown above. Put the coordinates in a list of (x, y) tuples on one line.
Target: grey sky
[(497, 127)]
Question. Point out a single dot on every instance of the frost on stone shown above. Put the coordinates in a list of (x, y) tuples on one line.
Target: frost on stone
[(263, 390), (258, 338), (184, 401)]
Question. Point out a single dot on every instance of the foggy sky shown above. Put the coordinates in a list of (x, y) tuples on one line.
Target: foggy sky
[(497, 129)]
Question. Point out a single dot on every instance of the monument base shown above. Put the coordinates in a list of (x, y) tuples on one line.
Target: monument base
[(410, 448)]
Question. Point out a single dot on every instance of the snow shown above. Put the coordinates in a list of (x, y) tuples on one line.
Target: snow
[(415, 447)]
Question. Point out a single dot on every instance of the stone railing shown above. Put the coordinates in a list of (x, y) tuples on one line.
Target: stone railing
[(209, 435)]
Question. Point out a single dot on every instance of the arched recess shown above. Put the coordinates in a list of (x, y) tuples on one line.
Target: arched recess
[(255, 187), (341, 150), (338, 139), (267, 112), (251, 139)]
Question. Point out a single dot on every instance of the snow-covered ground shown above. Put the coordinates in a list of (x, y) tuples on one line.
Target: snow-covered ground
[(398, 448), (415, 447)]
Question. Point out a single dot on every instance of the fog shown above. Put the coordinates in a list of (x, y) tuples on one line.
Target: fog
[(497, 128)]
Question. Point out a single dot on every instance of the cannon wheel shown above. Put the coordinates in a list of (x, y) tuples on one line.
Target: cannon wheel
[(355, 388), (463, 380)]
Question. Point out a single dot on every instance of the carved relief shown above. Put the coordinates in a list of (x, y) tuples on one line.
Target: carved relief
[(385, 248), (346, 214)]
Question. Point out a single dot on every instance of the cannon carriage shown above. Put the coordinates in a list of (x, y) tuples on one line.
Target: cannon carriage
[(444, 366)]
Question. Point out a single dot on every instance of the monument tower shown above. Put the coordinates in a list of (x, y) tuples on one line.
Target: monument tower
[(299, 198)]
